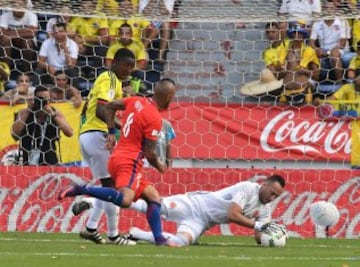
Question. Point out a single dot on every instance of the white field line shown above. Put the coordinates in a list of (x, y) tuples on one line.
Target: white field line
[(79, 240), (179, 257)]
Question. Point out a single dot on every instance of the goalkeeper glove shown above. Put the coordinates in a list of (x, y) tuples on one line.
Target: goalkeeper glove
[(271, 227), (260, 226)]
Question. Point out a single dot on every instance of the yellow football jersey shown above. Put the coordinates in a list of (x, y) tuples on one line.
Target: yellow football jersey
[(354, 63), (107, 87), (276, 56), (308, 55), (138, 24), (5, 67), (356, 33), (136, 47), (87, 26), (111, 7), (347, 92)]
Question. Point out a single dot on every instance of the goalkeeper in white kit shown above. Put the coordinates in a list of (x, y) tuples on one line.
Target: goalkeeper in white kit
[(246, 204)]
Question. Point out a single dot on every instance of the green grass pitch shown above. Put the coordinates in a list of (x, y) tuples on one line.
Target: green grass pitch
[(67, 250)]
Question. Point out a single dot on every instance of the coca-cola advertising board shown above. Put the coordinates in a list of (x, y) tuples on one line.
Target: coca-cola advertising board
[(230, 132), (224, 131), (28, 198)]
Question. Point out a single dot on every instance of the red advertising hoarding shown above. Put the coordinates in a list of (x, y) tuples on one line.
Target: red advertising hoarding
[(28, 198), (220, 131)]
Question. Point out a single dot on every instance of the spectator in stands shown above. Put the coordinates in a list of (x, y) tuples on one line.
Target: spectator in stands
[(109, 7), (58, 53), (300, 9), (354, 66), (38, 130), (292, 10), (90, 33), (274, 55), (331, 35), (348, 92), (4, 74), (63, 91), (22, 92), (65, 18), (163, 31), (355, 33), (165, 7), (18, 29), (125, 40), (301, 66), (141, 27), (346, 5)]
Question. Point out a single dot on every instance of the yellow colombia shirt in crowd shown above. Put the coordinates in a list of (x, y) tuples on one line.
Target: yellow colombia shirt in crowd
[(136, 47), (88, 27), (138, 25)]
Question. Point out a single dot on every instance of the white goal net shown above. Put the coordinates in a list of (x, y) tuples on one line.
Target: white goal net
[(223, 135)]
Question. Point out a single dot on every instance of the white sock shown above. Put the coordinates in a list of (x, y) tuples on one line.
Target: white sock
[(112, 216), (95, 214), (140, 205), (148, 237)]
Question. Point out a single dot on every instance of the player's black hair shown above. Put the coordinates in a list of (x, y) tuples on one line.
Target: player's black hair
[(124, 54), (59, 24), (40, 88), (168, 80), (125, 25), (275, 178)]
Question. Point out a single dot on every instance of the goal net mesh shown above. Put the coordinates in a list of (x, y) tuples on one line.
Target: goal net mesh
[(222, 135)]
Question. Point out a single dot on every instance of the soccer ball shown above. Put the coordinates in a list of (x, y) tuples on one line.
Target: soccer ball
[(324, 213), (274, 238)]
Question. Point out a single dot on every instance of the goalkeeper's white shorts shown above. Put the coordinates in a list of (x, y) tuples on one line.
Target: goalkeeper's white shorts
[(181, 210)]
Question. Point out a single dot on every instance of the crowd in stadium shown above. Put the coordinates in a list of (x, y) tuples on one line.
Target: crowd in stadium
[(313, 55), (42, 46)]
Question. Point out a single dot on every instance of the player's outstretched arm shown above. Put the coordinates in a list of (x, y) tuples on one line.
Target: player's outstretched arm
[(107, 112), (235, 215), (151, 155)]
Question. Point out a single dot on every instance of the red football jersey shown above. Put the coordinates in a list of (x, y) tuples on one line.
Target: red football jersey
[(141, 119)]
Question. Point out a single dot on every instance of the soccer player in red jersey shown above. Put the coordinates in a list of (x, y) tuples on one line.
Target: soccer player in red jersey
[(141, 125)]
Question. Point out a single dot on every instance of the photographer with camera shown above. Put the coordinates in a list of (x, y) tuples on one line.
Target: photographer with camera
[(38, 129)]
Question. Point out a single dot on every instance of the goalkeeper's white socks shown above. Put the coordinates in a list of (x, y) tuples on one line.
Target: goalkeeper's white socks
[(137, 233)]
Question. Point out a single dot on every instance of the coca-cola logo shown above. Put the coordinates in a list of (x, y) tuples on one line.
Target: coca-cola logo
[(29, 203), (34, 208), (283, 132)]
